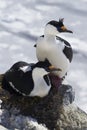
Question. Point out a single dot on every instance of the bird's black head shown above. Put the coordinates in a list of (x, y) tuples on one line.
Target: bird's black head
[(43, 64), (59, 25), (46, 65)]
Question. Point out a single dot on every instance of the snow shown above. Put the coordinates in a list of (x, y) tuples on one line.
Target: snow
[(22, 22), (2, 128)]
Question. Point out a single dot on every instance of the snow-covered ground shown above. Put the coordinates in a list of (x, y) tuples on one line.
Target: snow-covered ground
[(23, 21)]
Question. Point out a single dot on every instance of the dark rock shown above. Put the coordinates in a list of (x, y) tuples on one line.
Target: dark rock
[(68, 94), (56, 110)]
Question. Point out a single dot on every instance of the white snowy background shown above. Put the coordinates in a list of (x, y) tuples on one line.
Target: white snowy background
[(23, 21)]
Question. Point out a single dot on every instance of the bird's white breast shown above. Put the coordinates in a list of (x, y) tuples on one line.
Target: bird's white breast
[(54, 53), (40, 89)]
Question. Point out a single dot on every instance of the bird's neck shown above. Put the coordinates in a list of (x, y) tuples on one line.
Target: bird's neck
[(50, 38)]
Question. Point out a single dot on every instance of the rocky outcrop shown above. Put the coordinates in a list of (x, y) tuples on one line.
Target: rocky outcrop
[(56, 111)]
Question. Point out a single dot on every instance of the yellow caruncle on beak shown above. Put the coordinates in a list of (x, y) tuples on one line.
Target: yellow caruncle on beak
[(52, 68), (63, 28)]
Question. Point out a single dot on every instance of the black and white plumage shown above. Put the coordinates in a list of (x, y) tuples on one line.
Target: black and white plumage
[(67, 49), (55, 49), (28, 79)]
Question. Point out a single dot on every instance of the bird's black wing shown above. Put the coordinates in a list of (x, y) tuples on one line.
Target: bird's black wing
[(15, 80), (67, 49)]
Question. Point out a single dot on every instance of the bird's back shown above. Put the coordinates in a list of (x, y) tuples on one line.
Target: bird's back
[(16, 79)]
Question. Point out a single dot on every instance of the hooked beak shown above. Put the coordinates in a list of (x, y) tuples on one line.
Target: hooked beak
[(52, 68), (64, 29)]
